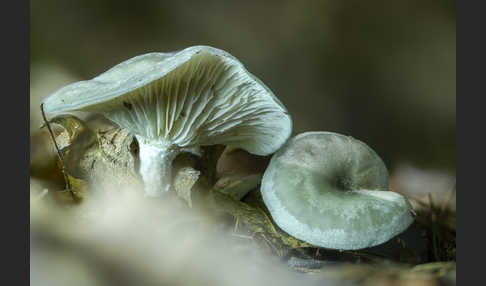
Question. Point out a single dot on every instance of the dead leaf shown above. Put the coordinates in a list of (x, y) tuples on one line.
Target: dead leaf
[(236, 186), (184, 180), (79, 189)]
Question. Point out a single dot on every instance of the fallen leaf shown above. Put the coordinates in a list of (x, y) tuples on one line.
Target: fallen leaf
[(184, 180)]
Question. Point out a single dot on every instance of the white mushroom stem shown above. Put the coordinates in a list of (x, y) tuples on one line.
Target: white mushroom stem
[(156, 166)]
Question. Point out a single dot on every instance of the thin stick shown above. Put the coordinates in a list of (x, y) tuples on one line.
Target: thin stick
[(59, 154), (237, 220)]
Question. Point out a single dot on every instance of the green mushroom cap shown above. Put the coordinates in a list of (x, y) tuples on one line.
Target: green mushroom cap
[(331, 191)]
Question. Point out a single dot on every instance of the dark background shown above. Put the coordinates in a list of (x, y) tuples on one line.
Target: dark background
[(381, 71)]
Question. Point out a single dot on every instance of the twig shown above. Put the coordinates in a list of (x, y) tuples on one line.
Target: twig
[(242, 236), (270, 244), (237, 220), (59, 154)]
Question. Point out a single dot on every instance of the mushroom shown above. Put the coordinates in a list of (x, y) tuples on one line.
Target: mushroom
[(331, 191), (175, 102)]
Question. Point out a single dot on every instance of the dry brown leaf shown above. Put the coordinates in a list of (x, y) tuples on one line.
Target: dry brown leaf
[(79, 189), (184, 180)]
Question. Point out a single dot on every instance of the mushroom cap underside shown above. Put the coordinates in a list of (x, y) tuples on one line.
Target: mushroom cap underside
[(197, 96), (331, 190)]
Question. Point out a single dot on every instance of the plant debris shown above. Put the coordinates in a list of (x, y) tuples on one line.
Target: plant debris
[(424, 254)]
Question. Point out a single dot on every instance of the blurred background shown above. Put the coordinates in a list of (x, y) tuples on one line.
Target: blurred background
[(381, 71)]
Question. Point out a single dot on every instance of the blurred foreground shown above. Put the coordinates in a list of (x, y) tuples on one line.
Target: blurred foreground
[(129, 240)]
